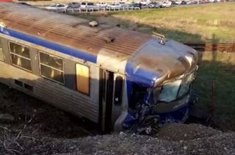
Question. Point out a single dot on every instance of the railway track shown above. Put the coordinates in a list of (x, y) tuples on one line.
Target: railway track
[(213, 47)]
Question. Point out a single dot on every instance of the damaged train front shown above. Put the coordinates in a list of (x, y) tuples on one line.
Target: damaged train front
[(159, 84)]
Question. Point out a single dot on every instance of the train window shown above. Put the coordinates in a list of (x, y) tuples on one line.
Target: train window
[(29, 87), (1, 52), (52, 61), (52, 67), (118, 90), (19, 83), (20, 56), (83, 78)]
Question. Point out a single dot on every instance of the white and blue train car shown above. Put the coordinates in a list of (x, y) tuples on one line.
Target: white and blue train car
[(111, 76)]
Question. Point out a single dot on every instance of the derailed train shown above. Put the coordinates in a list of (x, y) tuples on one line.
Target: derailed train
[(111, 76)]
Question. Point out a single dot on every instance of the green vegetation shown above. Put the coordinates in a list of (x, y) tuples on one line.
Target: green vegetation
[(187, 24), (220, 68)]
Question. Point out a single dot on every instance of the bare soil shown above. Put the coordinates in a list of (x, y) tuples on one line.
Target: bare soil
[(37, 128)]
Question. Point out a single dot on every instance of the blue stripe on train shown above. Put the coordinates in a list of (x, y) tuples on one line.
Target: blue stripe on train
[(140, 75), (48, 44)]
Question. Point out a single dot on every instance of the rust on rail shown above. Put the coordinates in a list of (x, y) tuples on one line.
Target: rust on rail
[(213, 47)]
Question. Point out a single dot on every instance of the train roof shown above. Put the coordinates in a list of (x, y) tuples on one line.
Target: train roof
[(70, 31)]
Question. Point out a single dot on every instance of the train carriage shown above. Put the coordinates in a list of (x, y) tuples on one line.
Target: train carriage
[(111, 76)]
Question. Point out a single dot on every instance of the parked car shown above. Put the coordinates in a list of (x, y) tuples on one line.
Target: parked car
[(57, 7), (102, 5), (114, 6), (145, 2), (89, 6), (165, 4), (153, 5), (186, 2), (135, 5), (124, 5), (176, 2), (73, 7), (194, 2)]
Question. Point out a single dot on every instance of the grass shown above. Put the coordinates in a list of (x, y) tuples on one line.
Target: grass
[(196, 23), (220, 68)]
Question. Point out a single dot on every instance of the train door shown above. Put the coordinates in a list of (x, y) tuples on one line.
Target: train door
[(106, 99), (110, 99)]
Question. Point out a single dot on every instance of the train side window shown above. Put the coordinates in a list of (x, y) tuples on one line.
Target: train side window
[(28, 87), (20, 56), (52, 67), (118, 90), (1, 51), (19, 83), (83, 79)]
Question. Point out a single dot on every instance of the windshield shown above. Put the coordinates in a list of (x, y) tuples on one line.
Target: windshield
[(173, 90), (169, 91), (186, 85)]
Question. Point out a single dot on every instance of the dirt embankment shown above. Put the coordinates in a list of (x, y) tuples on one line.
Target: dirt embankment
[(29, 126)]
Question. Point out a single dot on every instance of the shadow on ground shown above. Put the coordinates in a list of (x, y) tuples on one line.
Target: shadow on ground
[(39, 118), (215, 84)]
